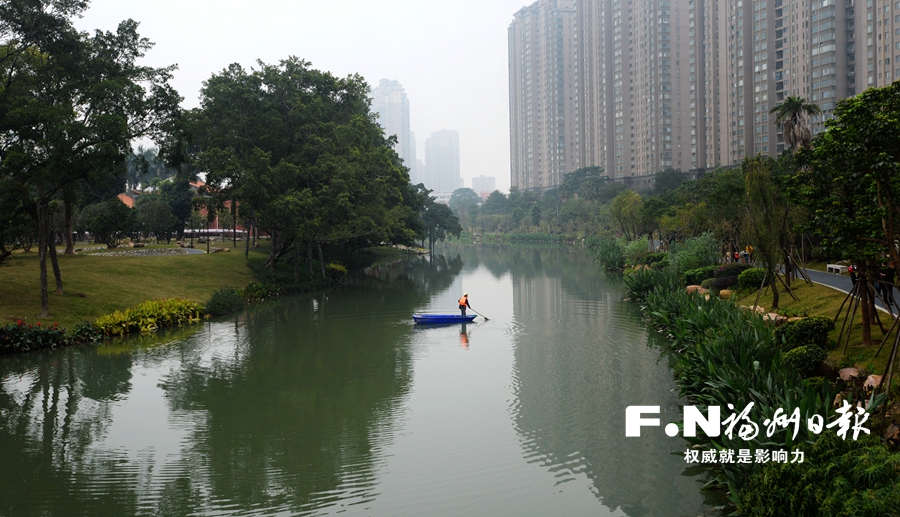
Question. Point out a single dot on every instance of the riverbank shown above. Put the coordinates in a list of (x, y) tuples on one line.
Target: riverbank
[(98, 285), (722, 354)]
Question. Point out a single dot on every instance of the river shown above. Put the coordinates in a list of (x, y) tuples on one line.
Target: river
[(335, 403)]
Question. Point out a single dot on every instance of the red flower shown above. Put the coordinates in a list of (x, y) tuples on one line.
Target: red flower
[(20, 322), (39, 324)]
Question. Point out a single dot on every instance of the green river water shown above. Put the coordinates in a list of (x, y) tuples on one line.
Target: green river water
[(337, 404)]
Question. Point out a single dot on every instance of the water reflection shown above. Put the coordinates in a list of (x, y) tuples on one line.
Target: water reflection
[(276, 409), (580, 360), (335, 402)]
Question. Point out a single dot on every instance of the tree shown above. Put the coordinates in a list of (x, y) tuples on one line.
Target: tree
[(792, 115), (71, 105), (768, 211), (156, 216), (463, 201), (439, 222), (667, 180), (299, 150), (108, 221), (495, 204), (850, 181), (626, 210)]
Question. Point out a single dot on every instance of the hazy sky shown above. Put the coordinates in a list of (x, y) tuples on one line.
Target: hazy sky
[(450, 56)]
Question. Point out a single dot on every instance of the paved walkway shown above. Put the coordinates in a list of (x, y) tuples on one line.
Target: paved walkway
[(843, 283)]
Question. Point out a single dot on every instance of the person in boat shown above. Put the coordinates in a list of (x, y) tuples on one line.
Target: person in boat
[(463, 303)]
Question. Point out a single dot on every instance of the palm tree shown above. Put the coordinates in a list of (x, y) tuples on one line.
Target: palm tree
[(792, 116)]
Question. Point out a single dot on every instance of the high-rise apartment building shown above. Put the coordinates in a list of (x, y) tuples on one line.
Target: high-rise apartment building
[(442, 162), (544, 94), (635, 86), (390, 102), (689, 84)]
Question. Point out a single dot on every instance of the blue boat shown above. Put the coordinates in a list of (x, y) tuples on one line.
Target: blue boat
[(442, 318)]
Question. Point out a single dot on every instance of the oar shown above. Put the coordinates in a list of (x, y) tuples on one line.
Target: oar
[(480, 314)]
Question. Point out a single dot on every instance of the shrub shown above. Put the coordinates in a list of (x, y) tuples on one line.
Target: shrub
[(258, 292), (697, 252), (635, 250), (696, 276), (336, 271), (655, 258), (23, 337), (752, 278), (640, 283), (808, 331), (848, 478), (225, 301), (706, 283), (149, 317), (816, 383), (812, 330), (610, 255), (731, 270), (805, 358), (86, 332), (723, 283)]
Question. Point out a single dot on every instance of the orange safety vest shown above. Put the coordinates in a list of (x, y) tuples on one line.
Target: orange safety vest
[(463, 301)]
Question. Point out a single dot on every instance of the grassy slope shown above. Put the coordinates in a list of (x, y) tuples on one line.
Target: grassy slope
[(826, 301), (111, 283)]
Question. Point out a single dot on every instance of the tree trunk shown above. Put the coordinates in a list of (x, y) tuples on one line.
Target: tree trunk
[(233, 224), (247, 241), (42, 258), (310, 259), (321, 260), (864, 304), (53, 261), (69, 208), (774, 286)]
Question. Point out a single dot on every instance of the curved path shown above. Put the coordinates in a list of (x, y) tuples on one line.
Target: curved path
[(842, 283)]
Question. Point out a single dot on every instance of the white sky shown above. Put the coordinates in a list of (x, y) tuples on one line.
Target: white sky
[(450, 56)]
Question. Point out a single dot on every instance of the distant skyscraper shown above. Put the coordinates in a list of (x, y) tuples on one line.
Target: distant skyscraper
[(483, 185), (442, 161), (390, 102)]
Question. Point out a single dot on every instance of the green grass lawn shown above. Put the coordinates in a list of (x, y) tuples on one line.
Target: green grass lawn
[(95, 285), (820, 300)]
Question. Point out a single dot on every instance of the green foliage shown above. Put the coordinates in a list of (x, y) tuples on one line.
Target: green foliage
[(610, 255), (149, 317), (225, 301), (697, 276), (655, 258), (706, 283), (697, 252), (108, 221), (259, 292), (805, 358), (641, 282), (731, 270), (725, 282), (721, 355), (24, 337), (636, 250), (557, 238), (808, 331), (838, 478), (816, 383), (752, 278)]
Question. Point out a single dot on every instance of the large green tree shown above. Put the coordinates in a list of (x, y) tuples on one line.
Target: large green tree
[(850, 181), (71, 103), (298, 149)]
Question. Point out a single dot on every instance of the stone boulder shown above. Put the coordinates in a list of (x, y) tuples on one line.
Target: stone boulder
[(872, 382), (693, 288), (725, 294), (847, 374)]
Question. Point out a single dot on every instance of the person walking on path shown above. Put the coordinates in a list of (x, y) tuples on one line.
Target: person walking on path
[(463, 303)]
